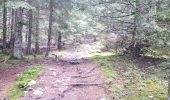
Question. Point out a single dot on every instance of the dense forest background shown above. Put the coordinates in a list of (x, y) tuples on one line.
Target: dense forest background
[(131, 28), (30, 24)]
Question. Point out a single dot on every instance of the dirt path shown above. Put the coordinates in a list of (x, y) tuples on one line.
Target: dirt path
[(74, 79), (8, 75)]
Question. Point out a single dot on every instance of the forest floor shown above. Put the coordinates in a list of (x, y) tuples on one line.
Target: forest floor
[(85, 72)]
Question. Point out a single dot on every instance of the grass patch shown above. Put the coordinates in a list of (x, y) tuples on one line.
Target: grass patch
[(31, 57), (17, 90), (108, 72), (129, 82)]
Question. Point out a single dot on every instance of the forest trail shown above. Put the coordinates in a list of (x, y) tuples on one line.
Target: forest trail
[(73, 78)]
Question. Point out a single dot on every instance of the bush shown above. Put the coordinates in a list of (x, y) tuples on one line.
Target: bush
[(116, 42)]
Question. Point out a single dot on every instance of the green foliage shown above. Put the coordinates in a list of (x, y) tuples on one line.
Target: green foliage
[(158, 52), (17, 90), (27, 76), (164, 15), (19, 4), (165, 65)]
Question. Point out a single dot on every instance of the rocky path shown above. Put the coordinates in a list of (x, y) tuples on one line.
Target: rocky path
[(75, 78)]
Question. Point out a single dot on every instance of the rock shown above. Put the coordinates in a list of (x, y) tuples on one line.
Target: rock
[(39, 98), (52, 69), (62, 89), (29, 89), (54, 98), (31, 83), (25, 92), (151, 96), (61, 95), (38, 92), (103, 99), (54, 74), (86, 99), (5, 99)]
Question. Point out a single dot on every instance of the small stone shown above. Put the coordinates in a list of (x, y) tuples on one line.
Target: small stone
[(5, 99), (151, 97), (102, 99), (38, 92), (31, 83), (29, 89), (25, 92), (54, 98), (63, 88), (38, 98), (61, 94), (54, 74), (52, 69), (58, 81)]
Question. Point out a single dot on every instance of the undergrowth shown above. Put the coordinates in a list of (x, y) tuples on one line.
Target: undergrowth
[(127, 81)]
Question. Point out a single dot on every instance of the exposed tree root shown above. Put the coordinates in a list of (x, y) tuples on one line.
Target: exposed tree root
[(82, 84)]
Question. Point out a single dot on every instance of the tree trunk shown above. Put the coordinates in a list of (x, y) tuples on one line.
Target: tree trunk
[(50, 28), (37, 48), (169, 88), (12, 38), (133, 48), (28, 51), (59, 45), (18, 52), (4, 25)]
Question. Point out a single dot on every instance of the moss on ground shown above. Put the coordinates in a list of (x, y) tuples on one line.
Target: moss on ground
[(17, 89), (129, 82)]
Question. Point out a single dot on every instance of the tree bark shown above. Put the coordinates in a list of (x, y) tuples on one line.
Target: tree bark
[(18, 50), (133, 48), (28, 51), (4, 25), (59, 45), (169, 88), (37, 48), (12, 38), (50, 28)]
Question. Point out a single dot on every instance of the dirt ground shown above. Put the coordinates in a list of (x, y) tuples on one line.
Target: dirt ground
[(72, 78), (9, 74)]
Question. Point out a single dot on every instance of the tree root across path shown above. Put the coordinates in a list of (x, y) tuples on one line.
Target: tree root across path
[(83, 84), (80, 76)]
